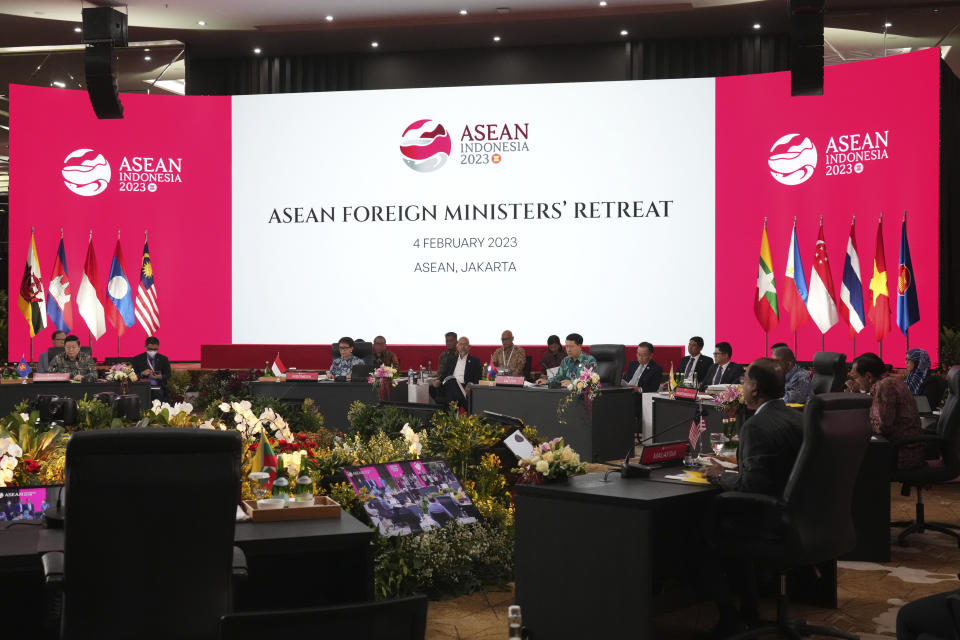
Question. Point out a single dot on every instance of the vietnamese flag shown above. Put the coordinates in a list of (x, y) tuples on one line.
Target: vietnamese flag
[(765, 302), (879, 290)]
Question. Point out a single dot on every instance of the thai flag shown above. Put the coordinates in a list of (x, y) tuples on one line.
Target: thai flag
[(58, 304), (851, 289), (118, 291), (796, 293)]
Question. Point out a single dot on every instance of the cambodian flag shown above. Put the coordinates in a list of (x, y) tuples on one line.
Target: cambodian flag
[(121, 313), (58, 304), (851, 288), (908, 309)]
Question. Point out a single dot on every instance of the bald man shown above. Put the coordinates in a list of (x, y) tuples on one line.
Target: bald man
[(457, 376), (509, 360)]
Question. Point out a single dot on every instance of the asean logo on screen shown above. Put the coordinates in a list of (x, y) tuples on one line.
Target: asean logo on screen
[(425, 146), (86, 172), (792, 159)]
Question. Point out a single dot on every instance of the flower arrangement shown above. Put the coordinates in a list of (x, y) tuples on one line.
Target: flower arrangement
[(122, 372), (10, 454), (730, 400), (383, 374), (587, 386), (413, 439), (30, 453), (552, 460)]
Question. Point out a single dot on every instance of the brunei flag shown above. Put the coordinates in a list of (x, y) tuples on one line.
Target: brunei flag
[(265, 458), (30, 300), (765, 302)]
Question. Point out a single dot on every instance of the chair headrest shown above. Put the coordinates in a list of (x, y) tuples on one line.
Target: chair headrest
[(828, 362)]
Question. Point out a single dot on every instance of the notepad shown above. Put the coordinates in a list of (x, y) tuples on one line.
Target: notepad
[(693, 477)]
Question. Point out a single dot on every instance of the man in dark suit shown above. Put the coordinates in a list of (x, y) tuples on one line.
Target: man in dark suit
[(457, 376), (695, 365), (722, 371), (154, 367), (643, 374), (44, 363)]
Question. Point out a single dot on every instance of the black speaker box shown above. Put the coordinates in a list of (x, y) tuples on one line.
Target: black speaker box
[(806, 47), (101, 75), (104, 24)]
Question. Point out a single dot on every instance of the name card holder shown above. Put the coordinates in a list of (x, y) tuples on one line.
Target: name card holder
[(51, 377), (515, 381), (302, 375), (663, 452), (689, 393)]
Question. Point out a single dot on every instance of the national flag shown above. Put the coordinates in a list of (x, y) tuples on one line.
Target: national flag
[(908, 309), (31, 292), (821, 303), (698, 426), (58, 304), (851, 288), (89, 297), (23, 367), (277, 367), (880, 309), (673, 381), (120, 312), (148, 309), (265, 458), (795, 294), (765, 302)]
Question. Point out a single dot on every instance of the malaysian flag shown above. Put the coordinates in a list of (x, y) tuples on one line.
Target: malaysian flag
[(698, 426), (147, 309)]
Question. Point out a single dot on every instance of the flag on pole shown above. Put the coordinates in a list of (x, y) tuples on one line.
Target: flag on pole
[(698, 426), (880, 309), (58, 304), (821, 303), (673, 380), (23, 367), (31, 292), (765, 302), (277, 367), (851, 289), (89, 297), (148, 310), (265, 458), (120, 312), (908, 309), (795, 295)]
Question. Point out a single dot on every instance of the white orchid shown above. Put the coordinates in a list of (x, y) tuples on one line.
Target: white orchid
[(4, 443), (6, 476), (8, 463), (25, 417), (13, 449), (406, 431), (224, 407)]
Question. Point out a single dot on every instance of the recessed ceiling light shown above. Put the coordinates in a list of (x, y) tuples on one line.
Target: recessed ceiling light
[(374, 44), (887, 24), (202, 23), (147, 58), (57, 83), (78, 29), (146, 50), (496, 38), (257, 50), (603, 3), (463, 12), (329, 18), (756, 25), (624, 32)]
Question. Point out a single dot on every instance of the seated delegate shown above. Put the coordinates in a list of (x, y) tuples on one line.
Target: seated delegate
[(343, 366), (573, 365), (81, 366)]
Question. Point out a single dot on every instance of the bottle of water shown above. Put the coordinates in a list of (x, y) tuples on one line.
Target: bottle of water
[(410, 379), (515, 622), (423, 375)]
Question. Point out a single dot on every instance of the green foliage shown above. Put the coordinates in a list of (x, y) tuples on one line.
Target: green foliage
[(460, 438), (307, 419), (93, 414), (949, 347), (179, 383), (366, 420), (224, 384)]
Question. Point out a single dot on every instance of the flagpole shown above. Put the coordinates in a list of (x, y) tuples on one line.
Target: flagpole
[(795, 353), (31, 348)]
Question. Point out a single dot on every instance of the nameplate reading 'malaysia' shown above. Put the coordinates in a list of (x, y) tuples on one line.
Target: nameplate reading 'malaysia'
[(302, 375), (689, 393)]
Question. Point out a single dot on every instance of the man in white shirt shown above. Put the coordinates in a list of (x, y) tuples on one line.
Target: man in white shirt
[(458, 374)]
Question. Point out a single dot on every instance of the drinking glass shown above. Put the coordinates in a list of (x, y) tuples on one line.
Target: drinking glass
[(716, 442), (260, 481)]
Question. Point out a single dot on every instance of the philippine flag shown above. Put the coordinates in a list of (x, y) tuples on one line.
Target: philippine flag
[(58, 304), (118, 291), (795, 295), (822, 302), (851, 289)]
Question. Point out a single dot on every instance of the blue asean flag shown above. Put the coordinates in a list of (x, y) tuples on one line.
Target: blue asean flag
[(120, 313), (23, 367), (908, 309)]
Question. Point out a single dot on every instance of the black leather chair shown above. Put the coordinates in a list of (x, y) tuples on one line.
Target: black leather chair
[(811, 523), (934, 388), (361, 349), (611, 360), (947, 440), (829, 372), (148, 537), (399, 619)]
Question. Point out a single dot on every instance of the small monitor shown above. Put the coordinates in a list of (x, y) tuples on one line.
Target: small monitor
[(19, 504), (923, 403), (502, 418)]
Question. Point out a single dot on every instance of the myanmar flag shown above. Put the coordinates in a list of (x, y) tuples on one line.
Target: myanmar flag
[(765, 303), (265, 457)]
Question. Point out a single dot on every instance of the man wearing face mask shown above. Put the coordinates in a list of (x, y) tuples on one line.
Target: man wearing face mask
[(154, 367)]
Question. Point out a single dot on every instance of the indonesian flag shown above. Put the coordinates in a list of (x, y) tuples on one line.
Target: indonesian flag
[(58, 304), (796, 293), (31, 292), (879, 290), (89, 297), (765, 302), (851, 289), (277, 367), (822, 302)]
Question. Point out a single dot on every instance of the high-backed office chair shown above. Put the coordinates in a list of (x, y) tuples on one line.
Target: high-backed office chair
[(399, 619), (363, 350), (148, 537), (527, 368), (811, 523), (610, 362), (934, 388), (947, 440), (829, 372)]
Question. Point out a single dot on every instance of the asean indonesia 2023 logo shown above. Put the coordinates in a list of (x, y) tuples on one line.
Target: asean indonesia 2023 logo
[(86, 172), (425, 146), (792, 159)]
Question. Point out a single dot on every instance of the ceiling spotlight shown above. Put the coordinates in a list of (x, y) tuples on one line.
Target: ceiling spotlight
[(756, 25), (887, 25), (257, 50), (78, 29), (496, 38), (374, 44), (146, 50), (147, 58), (202, 23), (57, 83), (624, 32), (463, 12), (329, 18), (603, 3)]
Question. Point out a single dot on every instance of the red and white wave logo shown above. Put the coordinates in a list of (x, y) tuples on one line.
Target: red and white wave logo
[(792, 160), (86, 172), (425, 146)]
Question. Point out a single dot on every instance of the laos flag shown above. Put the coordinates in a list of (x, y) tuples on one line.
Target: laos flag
[(118, 292)]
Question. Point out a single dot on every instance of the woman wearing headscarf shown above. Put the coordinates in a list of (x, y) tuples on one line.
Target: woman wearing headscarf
[(918, 368)]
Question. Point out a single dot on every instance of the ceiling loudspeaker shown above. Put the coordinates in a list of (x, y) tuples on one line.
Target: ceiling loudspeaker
[(103, 29), (806, 47)]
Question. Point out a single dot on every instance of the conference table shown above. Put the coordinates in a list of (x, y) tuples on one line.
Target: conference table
[(332, 399), (338, 551), (13, 394), (604, 432)]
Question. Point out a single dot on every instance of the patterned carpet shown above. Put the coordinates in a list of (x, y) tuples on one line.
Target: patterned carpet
[(869, 594)]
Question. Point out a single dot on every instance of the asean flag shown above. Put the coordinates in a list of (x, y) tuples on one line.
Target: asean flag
[(120, 312), (908, 308)]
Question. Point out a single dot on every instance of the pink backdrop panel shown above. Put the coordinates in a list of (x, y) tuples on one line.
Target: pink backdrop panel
[(897, 97), (188, 221)]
